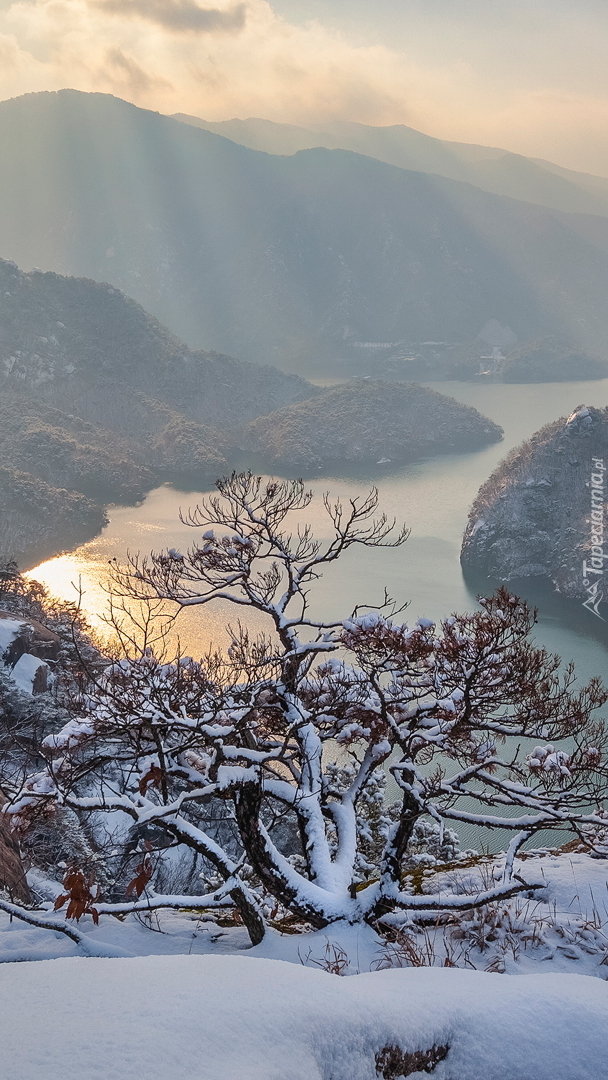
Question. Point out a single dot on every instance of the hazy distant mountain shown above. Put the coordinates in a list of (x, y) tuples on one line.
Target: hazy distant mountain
[(550, 359), (488, 167), (287, 259)]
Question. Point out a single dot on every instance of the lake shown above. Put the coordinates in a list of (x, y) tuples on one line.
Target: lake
[(433, 497)]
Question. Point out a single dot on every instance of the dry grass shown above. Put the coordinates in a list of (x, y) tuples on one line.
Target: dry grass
[(334, 959), (392, 1062), (497, 936)]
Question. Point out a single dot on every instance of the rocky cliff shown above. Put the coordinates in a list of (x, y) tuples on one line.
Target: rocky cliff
[(542, 512), (25, 648), (13, 881)]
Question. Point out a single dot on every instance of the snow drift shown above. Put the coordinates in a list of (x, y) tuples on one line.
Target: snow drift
[(234, 1017)]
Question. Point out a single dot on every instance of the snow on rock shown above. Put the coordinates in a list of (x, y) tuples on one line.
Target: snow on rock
[(9, 630), (70, 735), (30, 674), (24, 647), (239, 1018), (580, 413)]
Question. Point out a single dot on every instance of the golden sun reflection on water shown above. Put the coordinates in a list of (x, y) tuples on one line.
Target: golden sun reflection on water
[(433, 497), (84, 573), (156, 525), (67, 576)]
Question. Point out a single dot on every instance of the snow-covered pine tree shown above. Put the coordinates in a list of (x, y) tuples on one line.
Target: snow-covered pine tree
[(286, 734)]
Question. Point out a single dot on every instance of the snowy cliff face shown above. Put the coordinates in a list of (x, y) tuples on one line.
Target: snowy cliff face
[(542, 513)]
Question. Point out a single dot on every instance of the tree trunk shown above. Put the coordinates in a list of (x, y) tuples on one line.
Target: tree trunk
[(256, 927), (390, 870), (247, 803), (251, 917), (12, 873)]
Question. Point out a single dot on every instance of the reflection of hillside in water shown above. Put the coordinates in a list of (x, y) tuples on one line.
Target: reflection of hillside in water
[(556, 613)]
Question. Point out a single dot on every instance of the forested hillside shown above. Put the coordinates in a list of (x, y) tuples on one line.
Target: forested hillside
[(99, 400), (369, 421), (62, 336), (99, 403)]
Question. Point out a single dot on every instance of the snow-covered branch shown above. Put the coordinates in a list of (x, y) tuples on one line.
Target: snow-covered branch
[(267, 765)]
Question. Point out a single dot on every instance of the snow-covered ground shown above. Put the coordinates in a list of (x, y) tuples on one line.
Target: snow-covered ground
[(564, 928), (190, 999), (239, 1018)]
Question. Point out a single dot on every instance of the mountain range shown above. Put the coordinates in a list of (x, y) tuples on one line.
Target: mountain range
[(487, 167), (290, 260)]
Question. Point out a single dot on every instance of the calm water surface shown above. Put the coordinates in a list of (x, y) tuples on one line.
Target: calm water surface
[(433, 497)]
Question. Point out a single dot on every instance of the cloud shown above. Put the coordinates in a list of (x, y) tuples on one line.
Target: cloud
[(179, 16), (243, 59), (9, 54), (229, 59), (134, 79)]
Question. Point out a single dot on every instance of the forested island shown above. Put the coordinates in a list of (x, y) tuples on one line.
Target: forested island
[(369, 420)]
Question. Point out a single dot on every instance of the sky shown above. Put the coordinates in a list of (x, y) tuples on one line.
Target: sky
[(528, 75)]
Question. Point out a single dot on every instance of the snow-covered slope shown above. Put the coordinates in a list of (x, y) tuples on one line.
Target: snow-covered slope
[(194, 1002), (237, 1018)]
